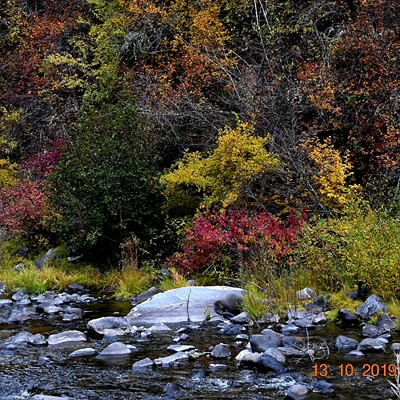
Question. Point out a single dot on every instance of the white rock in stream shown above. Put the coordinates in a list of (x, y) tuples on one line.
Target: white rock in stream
[(86, 352), (68, 337), (116, 349), (176, 358)]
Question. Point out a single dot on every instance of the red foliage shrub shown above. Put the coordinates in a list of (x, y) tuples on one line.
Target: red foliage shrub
[(215, 236)]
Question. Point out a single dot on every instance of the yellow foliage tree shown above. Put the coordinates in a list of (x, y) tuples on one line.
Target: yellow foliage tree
[(7, 173), (218, 179), (330, 175)]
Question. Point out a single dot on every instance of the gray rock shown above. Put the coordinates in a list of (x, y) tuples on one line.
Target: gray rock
[(50, 309), (319, 319), (217, 367), (242, 337), (355, 355), (270, 318), (148, 294), (77, 288), (247, 358), (348, 318), (297, 392), (260, 343), (99, 326), (187, 304), (385, 323), (345, 343), (369, 345), (221, 351), (277, 354), (291, 352), (42, 261), (160, 327), (231, 329), (172, 389), (18, 316), (290, 329), (319, 304), (132, 348), (19, 267), (86, 352), (395, 347), (304, 323), (241, 318), (65, 338), (323, 387), (2, 288), (198, 374), (45, 397), (24, 302), (72, 314), (268, 363), (20, 295), (180, 347), (306, 294), (111, 335), (370, 331), (114, 350), (174, 359), (143, 365), (5, 302), (20, 337), (373, 305), (37, 340), (229, 304)]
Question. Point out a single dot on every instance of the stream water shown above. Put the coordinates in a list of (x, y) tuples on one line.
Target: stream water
[(28, 370)]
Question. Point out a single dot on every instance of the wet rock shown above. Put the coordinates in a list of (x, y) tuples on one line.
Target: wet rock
[(369, 345), (18, 316), (221, 351), (395, 347), (5, 302), (319, 304), (385, 323), (52, 309), (247, 358), (373, 305), (306, 294), (267, 339), (323, 387), (68, 337), (345, 343), (217, 367), (270, 318), (289, 341), (77, 288), (45, 397), (268, 363), (297, 392), (20, 337), (231, 329), (277, 354), (20, 296), (241, 318), (319, 319), (42, 261), (348, 318), (242, 337), (304, 323), (111, 335), (86, 352), (290, 329), (291, 352), (180, 347), (197, 374), (115, 350), (229, 304), (72, 314), (37, 340), (160, 328), (370, 331), (148, 294), (143, 365), (172, 389), (99, 326), (172, 360), (187, 304), (355, 355), (23, 302)]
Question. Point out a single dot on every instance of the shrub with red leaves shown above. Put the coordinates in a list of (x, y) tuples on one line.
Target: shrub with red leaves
[(214, 236)]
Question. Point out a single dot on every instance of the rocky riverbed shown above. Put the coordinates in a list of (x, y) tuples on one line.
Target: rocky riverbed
[(174, 345)]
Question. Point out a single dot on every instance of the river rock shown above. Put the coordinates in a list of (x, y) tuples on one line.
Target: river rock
[(40, 262), (20, 337), (99, 326), (355, 355), (65, 338), (172, 389), (160, 327), (231, 329), (247, 358), (291, 352), (319, 304), (20, 295), (370, 331), (187, 304), (241, 318), (86, 352), (180, 347), (385, 323), (319, 319), (345, 343), (114, 350), (72, 314), (348, 318), (290, 329), (305, 294), (304, 323), (297, 392), (174, 359), (37, 340), (217, 367), (148, 294), (372, 345), (221, 351), (229, 304), (77, 288), (51, 309), (18, 316), (373, 305), (143, 365), (277, 354), (5, 302), (268, 363), (45, 397)]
